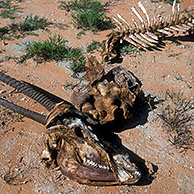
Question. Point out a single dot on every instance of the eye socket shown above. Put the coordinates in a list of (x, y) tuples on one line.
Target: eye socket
[(79, 132)]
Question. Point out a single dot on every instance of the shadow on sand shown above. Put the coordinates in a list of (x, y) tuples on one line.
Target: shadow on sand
[(107, 133)]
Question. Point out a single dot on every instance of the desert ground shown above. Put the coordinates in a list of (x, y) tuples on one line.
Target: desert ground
[(21, 139)]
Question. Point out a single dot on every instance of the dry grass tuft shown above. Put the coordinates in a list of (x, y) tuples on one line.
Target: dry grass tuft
[(177, 114)]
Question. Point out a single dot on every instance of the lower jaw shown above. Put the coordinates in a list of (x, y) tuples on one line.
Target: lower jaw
[(85, 175)]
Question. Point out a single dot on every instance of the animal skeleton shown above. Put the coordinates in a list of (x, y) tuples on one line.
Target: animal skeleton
[(146, 33), (82, 155)]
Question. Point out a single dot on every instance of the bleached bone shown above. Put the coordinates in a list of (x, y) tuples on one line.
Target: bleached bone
[(120, 25), (145, 33), (137, 14), (173, 7), (121, 18), (155, 37), (163, 31), (150, 44), (148, 38), (144, 11)]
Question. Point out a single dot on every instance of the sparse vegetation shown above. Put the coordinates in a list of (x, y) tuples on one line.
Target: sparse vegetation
[(166, 1), (171, 1), (54, 49), (79, 34), (76, 4), (87, 14), (128, 50), (93, 46), (3, 32), (192, 31), (189, 12), (69, 86), (77, 58), (177, 114), (31, 23), (8, 9)]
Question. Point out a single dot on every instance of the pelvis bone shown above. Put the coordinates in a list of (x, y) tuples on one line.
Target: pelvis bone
[(111, 94)]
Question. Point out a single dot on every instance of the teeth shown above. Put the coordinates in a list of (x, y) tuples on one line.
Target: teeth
[(95, 165), (138, 174)]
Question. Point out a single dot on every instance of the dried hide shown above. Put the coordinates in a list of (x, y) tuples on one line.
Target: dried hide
[(111, 94)]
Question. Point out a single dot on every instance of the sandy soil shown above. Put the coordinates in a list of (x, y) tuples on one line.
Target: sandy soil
[(21, 139)]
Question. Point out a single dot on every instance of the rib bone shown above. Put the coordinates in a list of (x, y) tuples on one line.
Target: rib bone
[(148, 33)]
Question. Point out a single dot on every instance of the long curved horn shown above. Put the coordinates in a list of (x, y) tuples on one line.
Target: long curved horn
[(30, 114), (43, 97)]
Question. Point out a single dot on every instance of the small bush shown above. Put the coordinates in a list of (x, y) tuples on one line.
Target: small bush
[(3, 32), (54, 49), (88, 14), (77, 4), (77, 58), (8, 10), (79, 34), (5, 4), (32, 23), (93, 46), (128, 49), (177, 114), (166, 1), (171, 1), (26, 27)]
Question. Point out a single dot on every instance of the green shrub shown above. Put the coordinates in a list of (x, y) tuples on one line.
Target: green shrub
[(54, 49), (79, 4), (8, 10), (88, 14), (26, 27), (32, 23), (128, 49), (93, 46), (166, 1), (3, 32)]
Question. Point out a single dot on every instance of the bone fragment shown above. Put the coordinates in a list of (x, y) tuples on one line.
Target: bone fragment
[(136, 25), (148, 38), (137, 14), (119, 24), (177, 29), (154, 21), (185, 28), (144, 11), (178, 12), (164, 32), (190, 24), (133, 37), (173, 7), (121, 18), (169, 30), (144, 40), (129, 40), (155, 37)]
